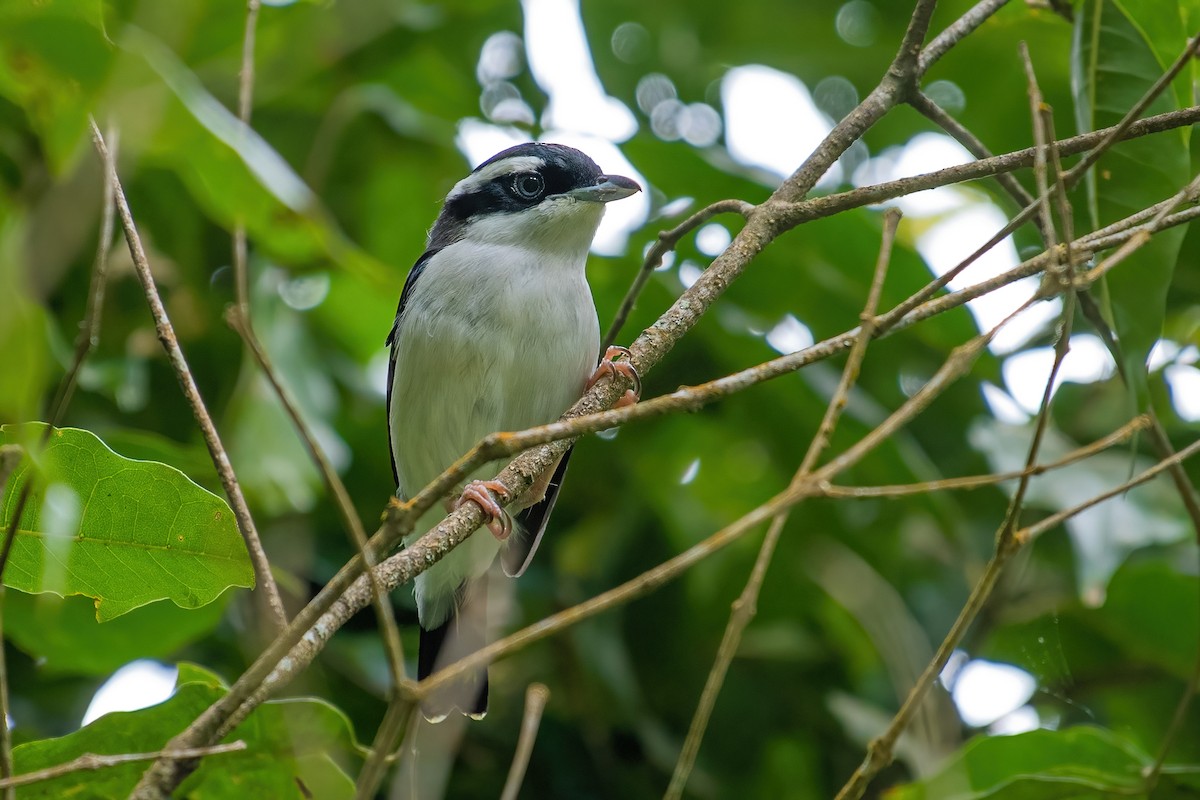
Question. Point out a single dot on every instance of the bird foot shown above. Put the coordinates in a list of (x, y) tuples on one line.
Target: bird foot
[(613, 368), (478, 492)]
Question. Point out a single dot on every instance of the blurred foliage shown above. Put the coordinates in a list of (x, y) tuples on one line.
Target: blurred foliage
[(359, 110)]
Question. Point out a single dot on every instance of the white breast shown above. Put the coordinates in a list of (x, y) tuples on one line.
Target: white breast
[(493, 338)]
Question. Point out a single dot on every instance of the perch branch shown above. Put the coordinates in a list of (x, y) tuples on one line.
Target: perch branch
[(665, 243)]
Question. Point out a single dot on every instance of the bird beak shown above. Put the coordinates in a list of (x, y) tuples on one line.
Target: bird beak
[(607, 189)]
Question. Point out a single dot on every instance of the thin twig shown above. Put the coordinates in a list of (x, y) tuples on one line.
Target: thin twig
[(395, 721), (93, 761), (956, 31), (166, 335), (745, 607), (239, 318), (1028, 534), (10, 457), (1041, 145), (1118, 436), (826, 205), (89, 327), (1141, 237), (881, 749), (924, 104), (899, 80), (665, 243), (536, 697), (241, 278)]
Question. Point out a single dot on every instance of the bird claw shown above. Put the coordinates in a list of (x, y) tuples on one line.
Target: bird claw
[(478, 492), (610, 366)]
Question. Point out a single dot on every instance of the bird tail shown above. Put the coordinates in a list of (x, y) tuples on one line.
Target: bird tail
[(461, 634)]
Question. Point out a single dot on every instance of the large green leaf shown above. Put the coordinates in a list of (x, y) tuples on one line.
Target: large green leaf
[(1039, 765), (1117, 54), (123, 532), (63, 634), (290, 743)]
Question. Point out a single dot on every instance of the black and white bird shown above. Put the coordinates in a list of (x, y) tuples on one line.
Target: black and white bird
[(496, 331)]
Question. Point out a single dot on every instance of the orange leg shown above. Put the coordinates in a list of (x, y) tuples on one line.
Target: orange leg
[(611, 367), (477, 492)]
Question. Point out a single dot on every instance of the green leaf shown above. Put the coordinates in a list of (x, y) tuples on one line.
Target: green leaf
[(63, 634), (1035, 766), (1116, 57), (54, 59), (125, 533), (142, 731), (235, 175), (289, 743), (1151, 610)]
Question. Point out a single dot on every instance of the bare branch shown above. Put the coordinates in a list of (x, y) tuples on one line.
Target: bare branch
[(956, 32), (166, 335), (10, 457), (818, 207), (1118, 436), (93, 761), (745, 607), (536, 697), (959, 132), (395, 722), (893, 88), (666, 242)]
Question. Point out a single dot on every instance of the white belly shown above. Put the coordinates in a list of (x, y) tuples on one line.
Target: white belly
[(482, 350)]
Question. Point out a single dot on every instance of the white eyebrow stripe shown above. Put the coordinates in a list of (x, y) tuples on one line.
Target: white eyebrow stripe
[(492, 171)]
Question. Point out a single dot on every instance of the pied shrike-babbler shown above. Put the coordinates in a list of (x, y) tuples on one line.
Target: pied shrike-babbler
[(496, 331)]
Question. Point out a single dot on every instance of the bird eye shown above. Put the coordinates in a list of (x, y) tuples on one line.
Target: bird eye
[(528, 185)]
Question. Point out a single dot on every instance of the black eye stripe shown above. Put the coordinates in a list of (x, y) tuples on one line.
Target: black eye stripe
[(560, 170)]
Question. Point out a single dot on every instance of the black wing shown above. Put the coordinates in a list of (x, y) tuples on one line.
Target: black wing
[(518, 552), (409, 283)]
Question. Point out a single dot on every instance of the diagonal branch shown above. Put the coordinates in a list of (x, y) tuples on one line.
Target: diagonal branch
[(666, 242), (744, 608), (239, 318), (166, 335)]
